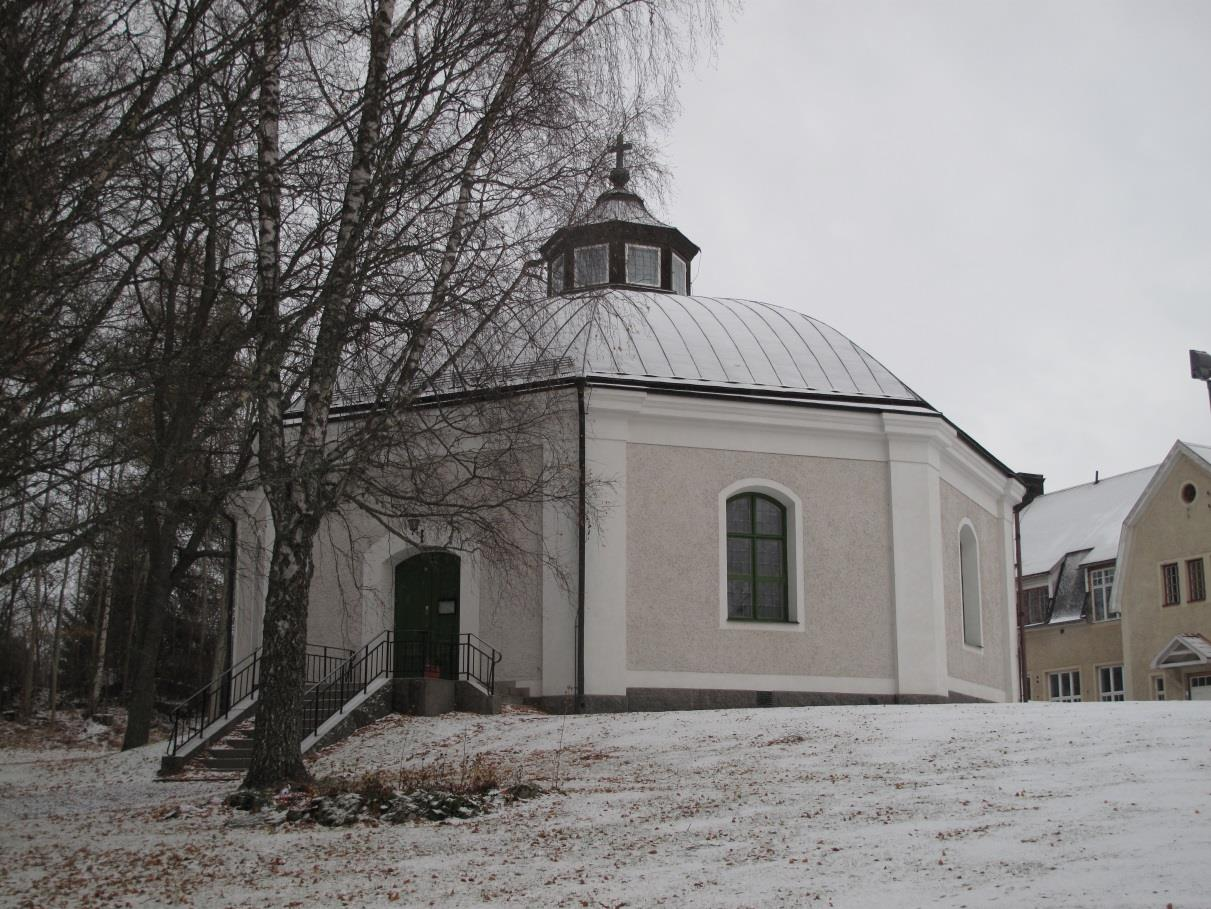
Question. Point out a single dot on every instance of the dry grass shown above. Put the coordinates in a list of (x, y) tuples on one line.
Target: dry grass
[(475, 776)]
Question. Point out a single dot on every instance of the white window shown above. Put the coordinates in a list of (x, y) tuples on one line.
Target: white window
[(969, 582), (1196, 581), (1200, 688), (592, 265), (1035, 605), (643, 265), (760, 557), (756, 558), (557, 274), (1158, 687), (1110, 683), (680, 271), (1064, 686), (1101, 582), (1171, 585)]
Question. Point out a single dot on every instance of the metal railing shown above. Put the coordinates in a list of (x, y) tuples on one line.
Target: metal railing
[(322, 660), (420, 653), (477, 660), (331, 694), (334, 676), (214, 700)]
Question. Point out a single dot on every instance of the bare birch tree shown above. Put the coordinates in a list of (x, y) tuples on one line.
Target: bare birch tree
[(396, 221)]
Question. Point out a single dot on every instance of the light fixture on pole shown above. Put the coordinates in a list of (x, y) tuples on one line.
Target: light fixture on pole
[(1200, 368)]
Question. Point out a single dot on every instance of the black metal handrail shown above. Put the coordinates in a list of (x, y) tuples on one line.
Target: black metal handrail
[(322, 661), (331, 694), (421, 653), (334, 676), (215, 700), (477, 660)]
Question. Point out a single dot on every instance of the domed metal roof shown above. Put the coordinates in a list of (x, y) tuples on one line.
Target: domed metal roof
[(619, 205), (702, 342)]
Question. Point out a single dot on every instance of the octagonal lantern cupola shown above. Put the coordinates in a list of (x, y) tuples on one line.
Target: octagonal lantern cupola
[(618, 243)]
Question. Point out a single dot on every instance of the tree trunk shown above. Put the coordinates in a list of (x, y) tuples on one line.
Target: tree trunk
[(276, 757), (104, 593), (140, 706), (31, 656), (54, 647)]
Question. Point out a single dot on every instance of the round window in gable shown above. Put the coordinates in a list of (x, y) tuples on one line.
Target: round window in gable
[(1189, 493)]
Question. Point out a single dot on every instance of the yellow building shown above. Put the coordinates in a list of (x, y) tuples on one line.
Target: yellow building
[(1114, 597)]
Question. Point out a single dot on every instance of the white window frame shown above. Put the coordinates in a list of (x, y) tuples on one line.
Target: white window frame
[(795, 615), (1111, 693), (1158, 688), (675, 262), (1100, 590), (1026, 591), (1176, 587), (1197, 681), (969, 586), (1071, 675), (576, 281), (1202, 580), (639, 246)]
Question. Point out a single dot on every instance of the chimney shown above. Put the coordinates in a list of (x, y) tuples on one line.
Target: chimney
[(1034, 486)]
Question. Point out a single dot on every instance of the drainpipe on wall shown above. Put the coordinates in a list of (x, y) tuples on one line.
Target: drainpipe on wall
[(580, 549), (1023, 680), (1034, 488)]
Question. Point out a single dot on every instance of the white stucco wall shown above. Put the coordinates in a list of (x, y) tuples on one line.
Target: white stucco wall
[(673, 595), (873, 569), (983, 665)]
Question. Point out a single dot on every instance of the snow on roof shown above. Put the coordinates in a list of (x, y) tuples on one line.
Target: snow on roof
[(1082, 517), (615, 205), (705, 341), (1203, 451), (1184, 650)]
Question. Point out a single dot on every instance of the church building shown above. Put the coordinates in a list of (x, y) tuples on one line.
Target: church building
[(781, 520)]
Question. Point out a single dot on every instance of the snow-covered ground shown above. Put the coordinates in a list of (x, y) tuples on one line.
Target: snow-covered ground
[(1072, 805)]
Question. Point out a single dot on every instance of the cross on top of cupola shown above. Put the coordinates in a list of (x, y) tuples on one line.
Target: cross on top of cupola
[(618, 243), (620, 175)]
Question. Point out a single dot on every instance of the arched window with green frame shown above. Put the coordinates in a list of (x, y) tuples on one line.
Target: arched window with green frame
[(756, 559)]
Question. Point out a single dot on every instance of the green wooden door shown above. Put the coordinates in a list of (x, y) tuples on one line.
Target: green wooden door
[(426, 615)]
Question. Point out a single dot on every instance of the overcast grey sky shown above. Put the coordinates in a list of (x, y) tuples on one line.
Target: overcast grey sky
[(1006, 203)]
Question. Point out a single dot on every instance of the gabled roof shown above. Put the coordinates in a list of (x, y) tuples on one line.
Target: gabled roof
[(1184, 650), (1199, 454), (1087, 517)]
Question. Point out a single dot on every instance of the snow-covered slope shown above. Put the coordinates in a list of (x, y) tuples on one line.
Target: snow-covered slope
[(1075, 805)]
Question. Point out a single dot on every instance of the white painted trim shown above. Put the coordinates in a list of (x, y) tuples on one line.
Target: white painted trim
[(1063, 670), (740, 425), (750, 682), (794, 550), (659, 264), (1170, 648), (652, 418), (917, 558), (976, 690), (605, 590), (378, 586), (1179, 449)]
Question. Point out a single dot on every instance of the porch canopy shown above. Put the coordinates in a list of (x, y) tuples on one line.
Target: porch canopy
[(1183, 651)]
